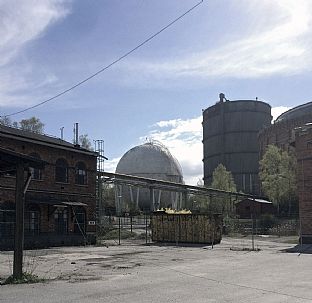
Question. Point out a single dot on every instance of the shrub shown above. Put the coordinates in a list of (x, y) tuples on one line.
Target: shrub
[(26, 278), (267, 221)]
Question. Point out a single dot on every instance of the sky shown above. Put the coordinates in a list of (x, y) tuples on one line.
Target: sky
[(243, 48)]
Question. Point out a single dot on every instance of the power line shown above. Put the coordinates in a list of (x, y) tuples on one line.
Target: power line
[(107, 66)]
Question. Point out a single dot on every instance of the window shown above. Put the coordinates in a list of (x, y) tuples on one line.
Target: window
[(32, 219), (61, 171), (79, 220), (7, 220), (80, 173), (61, 221), (36, 173)]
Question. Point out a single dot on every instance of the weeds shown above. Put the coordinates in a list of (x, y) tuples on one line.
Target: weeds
[(26, 278), (114, 234)]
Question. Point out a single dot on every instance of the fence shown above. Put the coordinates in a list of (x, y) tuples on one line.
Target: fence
[(262, 226), (118, 229), (178, 228), (7, 223)]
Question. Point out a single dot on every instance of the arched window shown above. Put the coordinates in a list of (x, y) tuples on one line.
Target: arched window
[(36, 173), (61, 171), (80, 173)]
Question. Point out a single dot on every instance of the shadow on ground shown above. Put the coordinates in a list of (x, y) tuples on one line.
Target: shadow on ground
[(299, 249), (164, 244)]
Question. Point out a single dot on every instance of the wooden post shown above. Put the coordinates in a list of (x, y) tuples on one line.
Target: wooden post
[(19, 222)]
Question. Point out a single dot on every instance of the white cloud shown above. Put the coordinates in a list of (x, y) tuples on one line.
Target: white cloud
[(111, 164), (184, 140), (282, 49), (20, 23), (276, 111)]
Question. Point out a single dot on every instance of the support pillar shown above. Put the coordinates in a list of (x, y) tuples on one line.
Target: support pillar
[(152, 200), (184, 198)]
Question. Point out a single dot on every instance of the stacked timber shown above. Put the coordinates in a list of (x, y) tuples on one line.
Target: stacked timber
[(186, 228)]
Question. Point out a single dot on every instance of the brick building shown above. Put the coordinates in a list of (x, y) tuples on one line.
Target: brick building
[(292, 131), (304, 158), (247, 208), (60, 204), (281, 133)]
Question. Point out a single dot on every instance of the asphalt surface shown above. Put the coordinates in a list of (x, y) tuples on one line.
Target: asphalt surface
[(229, 272)]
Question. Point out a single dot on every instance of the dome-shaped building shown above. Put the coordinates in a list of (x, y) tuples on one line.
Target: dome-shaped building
[(154, 161), (296, 113)]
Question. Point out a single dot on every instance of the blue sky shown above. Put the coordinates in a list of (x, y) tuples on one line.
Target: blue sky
[(245, 49)]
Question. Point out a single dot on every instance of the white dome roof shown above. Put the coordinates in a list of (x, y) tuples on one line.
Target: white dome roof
[(150, 160)]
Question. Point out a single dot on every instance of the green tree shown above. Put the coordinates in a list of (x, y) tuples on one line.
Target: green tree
[(278, 176), (6, 121), (85, 142), (108, 198), (223, 180), (32, 124)]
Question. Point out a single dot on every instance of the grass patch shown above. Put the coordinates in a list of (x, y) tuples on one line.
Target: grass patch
[(244, 249), (114, 234), (26, 278)]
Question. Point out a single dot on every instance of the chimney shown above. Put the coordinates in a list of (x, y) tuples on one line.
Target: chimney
[(76, 135), (222, 97)]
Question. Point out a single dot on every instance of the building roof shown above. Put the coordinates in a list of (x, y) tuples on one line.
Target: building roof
[(9, 159), (28, 136), (149, 159), (261, 201), (295, 112)]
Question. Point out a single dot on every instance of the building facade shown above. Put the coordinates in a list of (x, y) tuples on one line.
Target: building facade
[(292, 132), (303, 145), (254, 208), (282, 133), (60, 203)]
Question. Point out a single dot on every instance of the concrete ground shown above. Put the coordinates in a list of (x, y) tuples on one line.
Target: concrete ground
[(229, 272)]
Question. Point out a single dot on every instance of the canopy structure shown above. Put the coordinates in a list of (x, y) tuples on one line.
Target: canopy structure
[(152, 184), (9, 160)]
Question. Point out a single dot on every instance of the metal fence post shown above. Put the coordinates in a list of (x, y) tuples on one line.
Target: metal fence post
[(131, 223), (119, 230), (145, 228), (252, 233)]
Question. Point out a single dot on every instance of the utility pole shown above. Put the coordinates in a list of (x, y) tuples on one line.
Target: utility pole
[(19, 222)]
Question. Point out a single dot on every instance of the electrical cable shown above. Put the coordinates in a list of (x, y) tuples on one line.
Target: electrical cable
[(106, 67)]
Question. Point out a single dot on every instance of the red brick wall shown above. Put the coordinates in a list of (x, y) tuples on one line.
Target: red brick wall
[(304, 158), (281, 133), (47, 186)]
